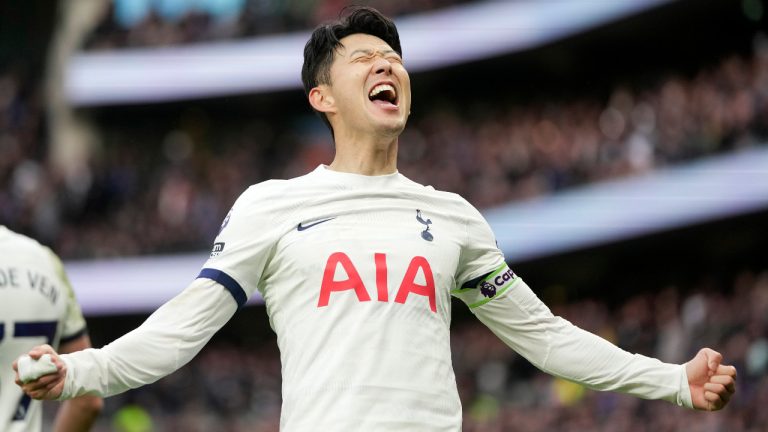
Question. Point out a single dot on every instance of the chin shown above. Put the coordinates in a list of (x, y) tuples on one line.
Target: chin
[(392, 130), (393, 126)]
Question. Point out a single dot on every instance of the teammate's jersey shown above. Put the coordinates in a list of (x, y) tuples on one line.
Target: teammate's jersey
[(37, 305), (357, 274)]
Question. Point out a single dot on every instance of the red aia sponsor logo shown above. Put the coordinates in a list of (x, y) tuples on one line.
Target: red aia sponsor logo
[(354, 282)]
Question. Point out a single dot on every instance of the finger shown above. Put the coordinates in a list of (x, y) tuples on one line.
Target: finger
[(713, 357), (713, 398), (719, 390), (57, 361), (38, 394), (714, 401), (47, 379), (52, 391), (721, 379), (39, 350), (714, 388), (34, 386), (726, 381), (39, 391), (726, 370), (42, 382)]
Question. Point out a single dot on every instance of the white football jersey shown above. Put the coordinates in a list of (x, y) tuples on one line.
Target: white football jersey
[(37, 305), (357, 274)]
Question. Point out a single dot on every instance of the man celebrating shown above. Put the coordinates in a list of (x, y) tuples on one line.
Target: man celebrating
[(357, 266)]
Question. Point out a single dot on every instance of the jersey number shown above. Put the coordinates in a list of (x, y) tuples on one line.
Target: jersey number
[(46, 329)]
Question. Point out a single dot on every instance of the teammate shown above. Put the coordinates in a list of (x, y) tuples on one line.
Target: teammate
[(37, 305), (357, 266)]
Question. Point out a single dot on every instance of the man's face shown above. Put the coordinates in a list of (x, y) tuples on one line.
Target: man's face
[(370, 87)]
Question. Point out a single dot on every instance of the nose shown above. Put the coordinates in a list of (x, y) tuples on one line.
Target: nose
[(382, 66)]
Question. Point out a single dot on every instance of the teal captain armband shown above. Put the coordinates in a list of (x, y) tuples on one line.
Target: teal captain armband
[(481, 290)]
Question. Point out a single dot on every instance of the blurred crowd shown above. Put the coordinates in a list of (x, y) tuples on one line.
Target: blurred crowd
[(237, 388), (161, 188), (132, 23), (498, 151)]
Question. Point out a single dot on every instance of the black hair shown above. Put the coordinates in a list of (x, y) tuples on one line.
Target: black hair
[(326, 39)]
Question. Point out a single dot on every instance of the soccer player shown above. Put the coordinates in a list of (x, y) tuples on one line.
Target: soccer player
[(357, 265), (37, 306)]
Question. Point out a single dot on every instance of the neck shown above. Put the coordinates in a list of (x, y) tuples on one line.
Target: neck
[(367, 157)]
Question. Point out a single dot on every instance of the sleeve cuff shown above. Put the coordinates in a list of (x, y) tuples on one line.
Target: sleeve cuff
[(66, 390), (684, 395)]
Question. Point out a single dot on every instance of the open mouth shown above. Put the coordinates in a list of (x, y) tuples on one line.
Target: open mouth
[(383, 94)]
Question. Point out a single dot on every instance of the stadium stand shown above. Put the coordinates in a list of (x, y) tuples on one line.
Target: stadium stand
[(163, 186), (125, 25)]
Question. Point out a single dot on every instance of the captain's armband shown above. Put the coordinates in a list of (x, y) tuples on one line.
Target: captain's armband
[(483, 289)]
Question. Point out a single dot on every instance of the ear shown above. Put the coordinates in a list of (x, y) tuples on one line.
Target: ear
[(321, 99)]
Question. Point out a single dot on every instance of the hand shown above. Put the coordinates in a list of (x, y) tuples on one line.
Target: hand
[(47, 386), (712, 383)]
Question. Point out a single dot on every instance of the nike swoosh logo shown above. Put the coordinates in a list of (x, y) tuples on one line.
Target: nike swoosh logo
[(301, 227)]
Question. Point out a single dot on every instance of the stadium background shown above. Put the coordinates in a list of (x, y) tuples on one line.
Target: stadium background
[(157, 178)]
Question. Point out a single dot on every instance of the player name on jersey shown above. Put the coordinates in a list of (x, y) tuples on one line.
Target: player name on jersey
[(12, 277)]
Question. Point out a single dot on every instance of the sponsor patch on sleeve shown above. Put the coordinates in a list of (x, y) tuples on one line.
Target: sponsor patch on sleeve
[(218, 248), (483, 289)]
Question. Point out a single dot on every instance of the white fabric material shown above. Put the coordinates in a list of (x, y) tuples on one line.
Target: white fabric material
[(557, 347), (31, 369)]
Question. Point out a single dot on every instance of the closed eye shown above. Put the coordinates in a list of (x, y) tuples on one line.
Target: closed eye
[(363, 58), (367, 55), (362, 55)]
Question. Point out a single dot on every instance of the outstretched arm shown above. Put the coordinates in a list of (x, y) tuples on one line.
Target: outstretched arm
[(167, 340), (556, 346)]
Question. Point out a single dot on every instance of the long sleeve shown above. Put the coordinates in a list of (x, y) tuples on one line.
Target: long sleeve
[(557, 347), (166, 341)]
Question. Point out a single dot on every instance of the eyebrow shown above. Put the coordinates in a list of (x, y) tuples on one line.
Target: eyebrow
[(370, 52)]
